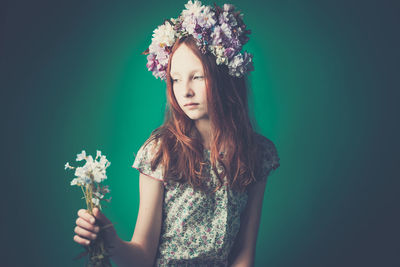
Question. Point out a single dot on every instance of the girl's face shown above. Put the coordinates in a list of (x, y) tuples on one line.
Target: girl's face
[(189, 83)]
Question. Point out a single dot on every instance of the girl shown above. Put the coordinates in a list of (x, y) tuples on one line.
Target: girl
[(203, 172)]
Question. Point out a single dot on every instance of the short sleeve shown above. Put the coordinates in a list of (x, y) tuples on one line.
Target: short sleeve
[(143, 160), (269, 158)]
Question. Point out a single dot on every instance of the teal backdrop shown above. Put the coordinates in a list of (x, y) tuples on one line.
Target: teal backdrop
[(324, 90)]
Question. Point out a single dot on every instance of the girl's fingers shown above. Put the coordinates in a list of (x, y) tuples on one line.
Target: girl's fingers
[(85, 233), (81, 241), (100, 216), (86, 216), (85, 225)]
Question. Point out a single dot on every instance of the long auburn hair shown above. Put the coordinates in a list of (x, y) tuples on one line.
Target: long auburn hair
[(181, 150)]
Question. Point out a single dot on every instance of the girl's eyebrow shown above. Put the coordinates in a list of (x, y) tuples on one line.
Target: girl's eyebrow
[(193, 71)]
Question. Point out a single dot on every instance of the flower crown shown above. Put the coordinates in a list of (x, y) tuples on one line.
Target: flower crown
[(220, 31)]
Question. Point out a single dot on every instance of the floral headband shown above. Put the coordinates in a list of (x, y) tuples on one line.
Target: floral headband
[(220, 31)]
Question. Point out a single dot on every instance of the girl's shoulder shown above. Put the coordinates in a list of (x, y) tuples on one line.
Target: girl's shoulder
[(149, 148), (268, 155), (151, 144), (264, 143), (144, 157)]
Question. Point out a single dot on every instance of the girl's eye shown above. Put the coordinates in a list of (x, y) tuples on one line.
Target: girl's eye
[(198, 77)]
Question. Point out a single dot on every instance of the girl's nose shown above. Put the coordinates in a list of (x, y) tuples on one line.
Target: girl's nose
[(189, 93), (188, 90)]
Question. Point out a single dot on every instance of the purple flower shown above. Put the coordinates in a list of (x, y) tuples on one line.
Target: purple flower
[(229, 52), (197, 28), (248, 61), (217, 35), (151, 62), (220, 31)]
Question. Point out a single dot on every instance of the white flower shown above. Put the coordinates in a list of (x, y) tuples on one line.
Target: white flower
[(193, 14), (236, 61), (192, 9), (221, 60), (189, 23), (93, 169), (80, 181), (154, 48), (203, 23), (164, 35), (162, 57), (218, 51), (81, 172), (206, 19), (228, 7), (89, 160), (216, 35), (81, 156), (228, 17), (85, 181), (68, 166), (95, 201), (98, 195), (197, 14), (99, 174), (226, 30), (103, 159), (240, 64)]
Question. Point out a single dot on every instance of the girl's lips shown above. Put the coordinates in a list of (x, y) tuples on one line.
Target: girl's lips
[(191, 104)]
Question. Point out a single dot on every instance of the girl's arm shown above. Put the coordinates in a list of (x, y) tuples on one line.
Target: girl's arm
[(243, 250), (142, 249)]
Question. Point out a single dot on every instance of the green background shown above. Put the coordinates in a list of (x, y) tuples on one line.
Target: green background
[(324, 90)]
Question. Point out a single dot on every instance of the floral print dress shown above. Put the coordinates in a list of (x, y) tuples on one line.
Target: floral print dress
[(198, 228)]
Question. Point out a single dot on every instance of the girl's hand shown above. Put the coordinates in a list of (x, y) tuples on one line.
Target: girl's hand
[(88, 227)]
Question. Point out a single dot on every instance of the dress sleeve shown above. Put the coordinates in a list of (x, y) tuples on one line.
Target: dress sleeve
[(269, 158), (143, 160)]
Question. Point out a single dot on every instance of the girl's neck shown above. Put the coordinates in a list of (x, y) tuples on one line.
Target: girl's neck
[(204, 127)]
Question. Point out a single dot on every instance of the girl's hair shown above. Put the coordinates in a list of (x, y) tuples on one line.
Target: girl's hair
[(180, 148)]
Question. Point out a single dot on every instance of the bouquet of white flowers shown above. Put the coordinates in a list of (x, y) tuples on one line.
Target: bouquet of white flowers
[(89, 177)]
